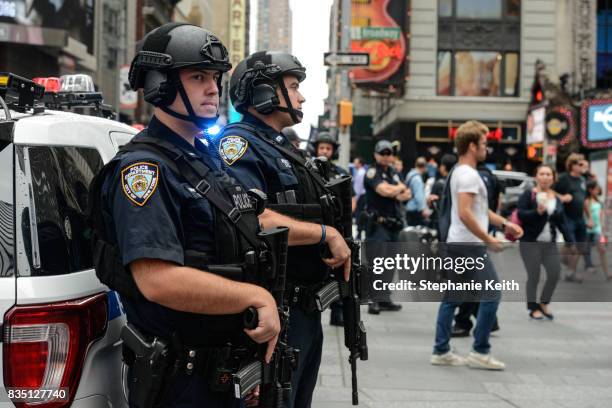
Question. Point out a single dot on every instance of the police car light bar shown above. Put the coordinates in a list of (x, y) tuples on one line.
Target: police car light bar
[(20, 93), (51, 84), (75, 91)]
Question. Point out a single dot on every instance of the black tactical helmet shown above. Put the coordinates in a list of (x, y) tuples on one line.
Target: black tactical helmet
[(167, 49), (255, 78), (325, 137)]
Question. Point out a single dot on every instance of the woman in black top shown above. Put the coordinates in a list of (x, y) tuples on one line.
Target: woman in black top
[(541, 214)]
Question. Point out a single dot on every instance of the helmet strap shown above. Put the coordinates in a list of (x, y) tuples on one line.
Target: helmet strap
[(296, 115)]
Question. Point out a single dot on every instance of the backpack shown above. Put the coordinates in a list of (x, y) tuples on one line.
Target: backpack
[(493, 186), (444, 210)]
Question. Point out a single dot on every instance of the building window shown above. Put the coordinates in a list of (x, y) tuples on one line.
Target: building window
[(444, 73), (478, 47), (479, 8), (604, 44)]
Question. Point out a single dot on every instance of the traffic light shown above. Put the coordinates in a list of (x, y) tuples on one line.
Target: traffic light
[(345, 113), (535, 152), (537, 92)]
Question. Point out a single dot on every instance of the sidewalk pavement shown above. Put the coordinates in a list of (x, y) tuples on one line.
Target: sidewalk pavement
[(566, 363)]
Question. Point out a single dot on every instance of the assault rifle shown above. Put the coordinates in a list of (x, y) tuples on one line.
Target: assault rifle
[(274, 379), (336, 209)]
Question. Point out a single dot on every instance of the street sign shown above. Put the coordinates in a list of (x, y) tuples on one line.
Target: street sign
[(347, 59)]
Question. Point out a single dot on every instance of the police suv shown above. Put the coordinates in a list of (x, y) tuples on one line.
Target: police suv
[(61, 326)]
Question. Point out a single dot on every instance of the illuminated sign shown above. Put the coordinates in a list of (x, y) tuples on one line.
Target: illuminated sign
[(237, 45), (22, 18), (536, 129), (377, 29), (561, 124), (597, 123), (8, 9)]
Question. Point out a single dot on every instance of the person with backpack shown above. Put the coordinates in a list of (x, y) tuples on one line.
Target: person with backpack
[(542, 215), (463, 323), (433, 199), (464, 219)]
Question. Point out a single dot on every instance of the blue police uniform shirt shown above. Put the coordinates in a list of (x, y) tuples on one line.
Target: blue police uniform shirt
[(155, 214), (384, 206), (254, 162)]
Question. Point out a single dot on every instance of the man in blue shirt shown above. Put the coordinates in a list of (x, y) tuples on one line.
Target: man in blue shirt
[(416, 208)]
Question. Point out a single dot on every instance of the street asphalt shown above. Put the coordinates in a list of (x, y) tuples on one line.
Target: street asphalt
[(565, 363)]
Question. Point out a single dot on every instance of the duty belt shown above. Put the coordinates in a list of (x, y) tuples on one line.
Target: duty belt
[(216, 364)]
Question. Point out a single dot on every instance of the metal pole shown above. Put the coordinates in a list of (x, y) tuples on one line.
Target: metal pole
[(332, 98), (344, 133)]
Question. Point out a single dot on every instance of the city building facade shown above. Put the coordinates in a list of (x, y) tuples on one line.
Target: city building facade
[(476, 59), (274, 25)]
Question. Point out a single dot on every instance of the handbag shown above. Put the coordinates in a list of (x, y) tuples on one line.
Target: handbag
[(514, 218)]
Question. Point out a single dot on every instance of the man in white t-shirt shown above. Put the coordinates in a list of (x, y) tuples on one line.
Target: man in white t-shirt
[(470, 218)]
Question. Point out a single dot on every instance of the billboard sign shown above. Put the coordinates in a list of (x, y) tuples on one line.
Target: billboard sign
[(536, 125), (237, 43), (74, 17), (378, 29), (597, 123)]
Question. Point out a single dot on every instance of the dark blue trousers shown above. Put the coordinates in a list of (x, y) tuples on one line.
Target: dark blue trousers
[(305, 334)]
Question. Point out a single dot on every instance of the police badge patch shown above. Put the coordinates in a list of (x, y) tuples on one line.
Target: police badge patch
[(231, 148), (371, 172), (140, 181)]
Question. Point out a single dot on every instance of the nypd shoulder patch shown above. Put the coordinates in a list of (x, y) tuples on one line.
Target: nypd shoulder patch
[(371, 172), (232, 148), (140, 181)]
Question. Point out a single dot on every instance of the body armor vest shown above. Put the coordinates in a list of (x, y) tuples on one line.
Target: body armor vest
[(238, 251), (304, 265)]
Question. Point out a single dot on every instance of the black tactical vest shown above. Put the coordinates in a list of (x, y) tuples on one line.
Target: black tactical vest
[(304, 265), (235, 227)]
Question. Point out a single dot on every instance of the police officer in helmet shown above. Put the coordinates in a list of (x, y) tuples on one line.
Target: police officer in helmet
[(265, 88), (167, 219), (325, 145), (384, 194)]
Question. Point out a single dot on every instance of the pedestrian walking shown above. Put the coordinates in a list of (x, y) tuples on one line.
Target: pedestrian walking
[(469, 221), (594, 216), (542, 215), (416, 208), (571, 187)]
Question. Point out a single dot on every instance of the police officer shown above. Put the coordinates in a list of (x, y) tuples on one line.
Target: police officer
[(384, 195), (265, 89), (326, 146), (168, 217)]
